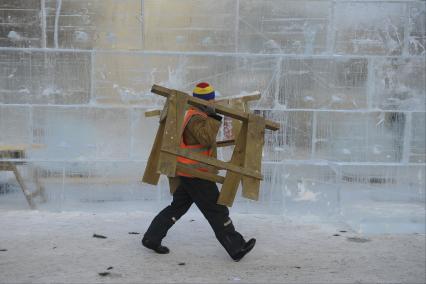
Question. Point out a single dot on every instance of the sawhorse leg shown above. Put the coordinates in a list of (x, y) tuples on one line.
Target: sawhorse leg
[(22, 184), (11, 167)]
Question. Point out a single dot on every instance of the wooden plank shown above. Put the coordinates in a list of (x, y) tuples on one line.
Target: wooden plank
[(23, 187), (253, 155), (167, 162), (247, 98), (240, 115), (229, 100), (232, 179), (40, 191), (151, 176), (198, 174), (152, 113), (172, 133), (6, 166), (237, 124), (12, 154), (225, 143), (212, 162)]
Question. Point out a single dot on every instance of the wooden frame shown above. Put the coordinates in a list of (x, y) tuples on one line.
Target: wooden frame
[(244, 166)]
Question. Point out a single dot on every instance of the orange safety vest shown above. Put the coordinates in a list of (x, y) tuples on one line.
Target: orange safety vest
[(197, 148)]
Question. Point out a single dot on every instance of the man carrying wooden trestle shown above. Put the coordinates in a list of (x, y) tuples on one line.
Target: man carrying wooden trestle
[(200, 128)]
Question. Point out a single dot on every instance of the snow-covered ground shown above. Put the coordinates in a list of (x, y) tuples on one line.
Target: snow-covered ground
[(42, 247)]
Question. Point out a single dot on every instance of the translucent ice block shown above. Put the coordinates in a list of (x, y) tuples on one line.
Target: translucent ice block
[(399, 84), (417, 28), (21, 23), (71, 133), (327, 83), (369, 27), (310, 190), (417, 148), (355, 137), (383, 199), (293, 139), (143, 133), (100, 24), (283, 26), (44, 77), (124, 78), (190, 25), (15, 125)]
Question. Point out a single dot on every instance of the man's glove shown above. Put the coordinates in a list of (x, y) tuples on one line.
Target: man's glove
[(211, 112)]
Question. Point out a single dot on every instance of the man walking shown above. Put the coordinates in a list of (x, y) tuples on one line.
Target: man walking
[(200, 128)]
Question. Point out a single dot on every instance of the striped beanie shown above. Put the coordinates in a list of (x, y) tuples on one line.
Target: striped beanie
[(204, 91)]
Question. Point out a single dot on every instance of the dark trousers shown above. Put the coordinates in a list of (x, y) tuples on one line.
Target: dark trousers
[(204, 194)]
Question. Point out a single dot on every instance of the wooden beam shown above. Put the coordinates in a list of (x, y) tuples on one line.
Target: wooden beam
[(253, 155), (172, 133), (199, 174), (151, 113), (23, 187), (232, 180), (236, 114), (212, 162), (225, 143), (151, 176), (247, 98)]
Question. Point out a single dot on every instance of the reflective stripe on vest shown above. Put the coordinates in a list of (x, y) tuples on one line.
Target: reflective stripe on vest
[(197, 148)]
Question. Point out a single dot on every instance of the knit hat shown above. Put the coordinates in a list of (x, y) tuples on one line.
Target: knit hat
[(204, 91)]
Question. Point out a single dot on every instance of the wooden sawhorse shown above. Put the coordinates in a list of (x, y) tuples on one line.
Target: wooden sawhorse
[(16, 152), (244, 166)]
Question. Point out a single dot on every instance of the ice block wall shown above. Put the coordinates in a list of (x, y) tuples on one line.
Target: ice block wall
[(346, 80)]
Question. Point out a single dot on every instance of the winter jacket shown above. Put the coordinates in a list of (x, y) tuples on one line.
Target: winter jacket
[(199, 130)]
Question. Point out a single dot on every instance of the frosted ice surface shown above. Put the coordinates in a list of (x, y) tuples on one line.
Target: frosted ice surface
[(350, 137), (293, 140), (127, 78), (190, 25), (21, 23), (143, 130), (84, 24), (82, 133), (44, 77), (15, 125), (400, 84), (417, 28), (369, 28), (283, 26), (324, 83), (417, 147)]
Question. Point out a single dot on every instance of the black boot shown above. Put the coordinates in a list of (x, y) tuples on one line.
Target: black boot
[(157, 248), (247, 247)]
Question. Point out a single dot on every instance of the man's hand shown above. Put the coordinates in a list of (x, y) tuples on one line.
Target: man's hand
[(211, 112)]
